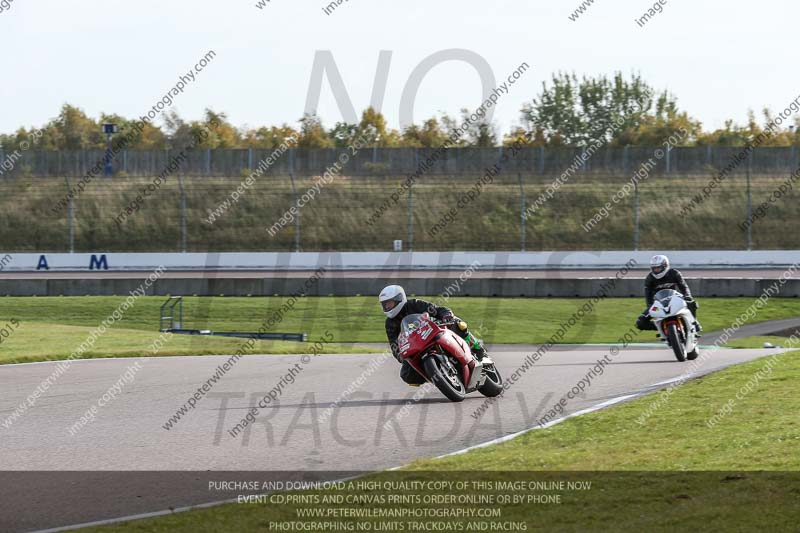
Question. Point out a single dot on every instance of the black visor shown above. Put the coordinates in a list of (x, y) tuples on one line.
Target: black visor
[(391, 303)]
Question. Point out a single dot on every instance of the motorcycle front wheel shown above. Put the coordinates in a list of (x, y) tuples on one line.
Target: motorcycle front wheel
[(444, 374), (493, 385), (675, 342)]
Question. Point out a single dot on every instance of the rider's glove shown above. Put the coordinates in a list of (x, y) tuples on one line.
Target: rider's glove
[(395, 352)]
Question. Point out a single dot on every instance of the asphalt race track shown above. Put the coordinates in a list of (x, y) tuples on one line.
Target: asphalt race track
[(371, 429)]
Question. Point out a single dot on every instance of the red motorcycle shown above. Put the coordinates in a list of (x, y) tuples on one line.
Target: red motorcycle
[(445, 359)]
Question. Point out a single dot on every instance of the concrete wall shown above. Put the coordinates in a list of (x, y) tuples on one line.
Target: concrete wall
[(540, 288), (149, 262)]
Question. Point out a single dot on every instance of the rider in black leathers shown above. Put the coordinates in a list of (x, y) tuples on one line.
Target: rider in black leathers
[(663, 277), (396, 307)]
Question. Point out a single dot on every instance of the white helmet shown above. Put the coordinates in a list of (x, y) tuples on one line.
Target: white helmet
[(659, 266), (393, 299)]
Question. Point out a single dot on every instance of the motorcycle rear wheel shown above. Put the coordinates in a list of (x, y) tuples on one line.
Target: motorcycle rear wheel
[(445, 377)]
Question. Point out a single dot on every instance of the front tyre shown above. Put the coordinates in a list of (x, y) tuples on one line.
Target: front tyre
[(675, 342), (493, 385), (444, 375)]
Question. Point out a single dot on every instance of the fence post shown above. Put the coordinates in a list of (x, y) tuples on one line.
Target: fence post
[(625, 161), (410, 223), (208, 161), (636, 216), (250, 159), (522, 209), (71, 216), (669, 150), (183, 214), (411, 218), (749, 203), (541, 160), (296, 202)]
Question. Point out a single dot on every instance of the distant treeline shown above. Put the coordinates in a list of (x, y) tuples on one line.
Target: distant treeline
[(568, 112)]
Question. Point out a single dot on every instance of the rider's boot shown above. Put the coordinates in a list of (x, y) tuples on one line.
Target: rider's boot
[(697, 326), (477, 348)]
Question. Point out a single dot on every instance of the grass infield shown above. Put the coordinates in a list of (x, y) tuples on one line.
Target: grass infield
[(51, 328)]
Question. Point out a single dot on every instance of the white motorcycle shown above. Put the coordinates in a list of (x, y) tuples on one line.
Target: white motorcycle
[(675, 323)]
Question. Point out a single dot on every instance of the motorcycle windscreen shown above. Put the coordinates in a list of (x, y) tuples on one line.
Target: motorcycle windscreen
[(411, 323), (664, 297)]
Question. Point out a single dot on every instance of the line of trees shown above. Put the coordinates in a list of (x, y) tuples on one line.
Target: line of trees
[(569, 111)]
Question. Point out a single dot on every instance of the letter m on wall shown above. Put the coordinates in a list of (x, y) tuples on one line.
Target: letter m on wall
[(98, 264)]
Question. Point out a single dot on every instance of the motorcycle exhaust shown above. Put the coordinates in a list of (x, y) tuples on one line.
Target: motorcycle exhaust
[(477, 377)]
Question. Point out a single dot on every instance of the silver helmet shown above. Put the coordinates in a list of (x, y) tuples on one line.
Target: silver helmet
[(392, 299), (659, 266)]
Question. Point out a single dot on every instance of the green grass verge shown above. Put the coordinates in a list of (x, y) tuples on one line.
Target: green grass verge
[(358, 319), (670, 472), (761, 433), (40, 341), (348, 319), (757, 341)]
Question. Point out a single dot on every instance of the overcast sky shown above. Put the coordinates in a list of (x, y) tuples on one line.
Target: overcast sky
[(719, 59)]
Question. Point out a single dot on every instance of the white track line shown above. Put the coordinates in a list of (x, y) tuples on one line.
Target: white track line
[(142, 516), (154, 514), (550, 424), (95, 359)]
